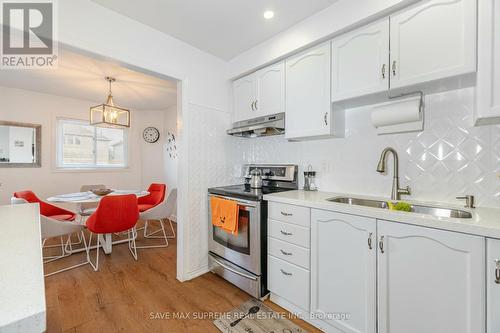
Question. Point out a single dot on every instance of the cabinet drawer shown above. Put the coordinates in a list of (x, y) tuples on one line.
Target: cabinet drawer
[(289, 233), (289, 281), (290, 213), (292, 253)]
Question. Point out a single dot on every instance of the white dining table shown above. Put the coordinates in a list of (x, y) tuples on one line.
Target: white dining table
[(88, 197)]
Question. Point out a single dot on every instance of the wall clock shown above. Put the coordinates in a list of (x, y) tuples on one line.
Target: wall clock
[(151, 134)]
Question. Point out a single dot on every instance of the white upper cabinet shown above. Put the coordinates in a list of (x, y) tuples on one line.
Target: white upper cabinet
[(260, 94), (360, 62), (433, 40), (430, 280), (488, 75), (270, 98), (308, 112), (244, 98), (343, 271), (493, 285)]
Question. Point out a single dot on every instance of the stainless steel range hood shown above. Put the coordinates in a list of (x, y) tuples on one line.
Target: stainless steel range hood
[(262, 126)]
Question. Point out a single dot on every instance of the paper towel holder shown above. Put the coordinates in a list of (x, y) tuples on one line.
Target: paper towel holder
[(419, 92), (403, 126)]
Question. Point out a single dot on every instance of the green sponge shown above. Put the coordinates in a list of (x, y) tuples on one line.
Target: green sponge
[(401, 206)]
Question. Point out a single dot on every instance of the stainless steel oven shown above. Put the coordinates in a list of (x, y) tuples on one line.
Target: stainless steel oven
[(244, 249), (242, 259)]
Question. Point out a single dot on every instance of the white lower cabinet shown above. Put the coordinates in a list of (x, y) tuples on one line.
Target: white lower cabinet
[(429, 280), (371, 276), (289, 281), (288, 260), (493, 285), (343, 271)]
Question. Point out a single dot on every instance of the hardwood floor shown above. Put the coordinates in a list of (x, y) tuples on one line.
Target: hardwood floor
[(137, 296)]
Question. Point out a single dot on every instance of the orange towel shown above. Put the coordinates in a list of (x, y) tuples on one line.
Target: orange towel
[(225, 214)]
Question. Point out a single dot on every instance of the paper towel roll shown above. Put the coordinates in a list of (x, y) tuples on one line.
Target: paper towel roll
[(396, 112)]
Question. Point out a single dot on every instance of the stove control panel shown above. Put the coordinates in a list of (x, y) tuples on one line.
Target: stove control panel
[(273, 172)]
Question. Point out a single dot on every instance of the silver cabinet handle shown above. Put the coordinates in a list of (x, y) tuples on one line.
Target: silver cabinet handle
[(286, 214), (497, 271), (381, 244), (394, 68), (256, 104), (253, 106), (326, 118), (286, 253), (286, 233), (383, 71), (285, 273), (370, 241)]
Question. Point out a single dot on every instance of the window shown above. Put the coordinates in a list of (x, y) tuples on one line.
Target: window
[(80, 145)]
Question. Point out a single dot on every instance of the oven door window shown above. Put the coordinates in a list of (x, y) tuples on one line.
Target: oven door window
[(241, 242)]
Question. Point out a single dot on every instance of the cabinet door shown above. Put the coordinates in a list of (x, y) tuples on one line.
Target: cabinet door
[(433, 40), (308, 93), (343, 268), (360, 61), (429, 280), (270, 90), (488, 71), (493, 285), (244, 98)]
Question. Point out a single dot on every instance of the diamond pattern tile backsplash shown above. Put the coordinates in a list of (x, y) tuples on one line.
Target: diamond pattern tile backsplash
[(449, 158)]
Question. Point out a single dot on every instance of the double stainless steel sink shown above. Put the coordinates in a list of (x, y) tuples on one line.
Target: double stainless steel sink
[(419, 209)]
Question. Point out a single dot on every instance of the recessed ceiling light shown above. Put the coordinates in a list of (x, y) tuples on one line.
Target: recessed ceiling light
[(268, 14)]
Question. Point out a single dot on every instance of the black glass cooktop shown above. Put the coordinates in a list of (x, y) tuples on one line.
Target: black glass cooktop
[(245, 191)]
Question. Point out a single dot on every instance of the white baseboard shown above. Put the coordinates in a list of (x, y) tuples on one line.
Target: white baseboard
[(196, 272)]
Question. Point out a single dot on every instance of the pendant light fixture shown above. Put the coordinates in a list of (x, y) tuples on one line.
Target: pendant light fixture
[(107, 114)]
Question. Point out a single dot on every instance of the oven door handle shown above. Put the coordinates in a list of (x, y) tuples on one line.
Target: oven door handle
[(243, 204), (233, 270)]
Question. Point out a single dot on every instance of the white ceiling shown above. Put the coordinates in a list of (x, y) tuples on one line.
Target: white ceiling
[(224, 28), (82, 77)]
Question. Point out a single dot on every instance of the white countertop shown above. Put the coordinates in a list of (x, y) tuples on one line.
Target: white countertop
[(22, 288), (484, 222)]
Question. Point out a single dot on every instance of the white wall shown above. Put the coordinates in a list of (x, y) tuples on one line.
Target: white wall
[(156, 164), (152, 154), (31, 107), (333, 20)]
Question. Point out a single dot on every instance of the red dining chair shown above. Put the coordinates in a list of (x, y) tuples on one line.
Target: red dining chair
[(155, 197), (115, 213), (46, 209), (51, 212)]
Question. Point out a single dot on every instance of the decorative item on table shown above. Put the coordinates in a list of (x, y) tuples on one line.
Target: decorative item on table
[(310, 179), (102, 191)]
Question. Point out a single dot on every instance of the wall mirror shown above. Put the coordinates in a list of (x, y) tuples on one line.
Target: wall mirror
[(20, 145)]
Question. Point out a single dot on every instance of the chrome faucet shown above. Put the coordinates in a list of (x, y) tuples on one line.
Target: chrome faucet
[(396, 191)]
